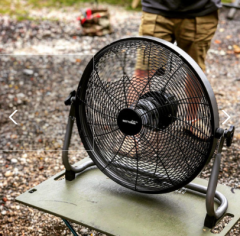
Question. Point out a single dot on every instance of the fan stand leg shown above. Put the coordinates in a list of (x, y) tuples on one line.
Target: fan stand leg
[(71, 170), (69, 174), (212, 216)]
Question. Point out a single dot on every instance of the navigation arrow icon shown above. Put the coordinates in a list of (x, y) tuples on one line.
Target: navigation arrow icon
[(227, 116), (10, 117)]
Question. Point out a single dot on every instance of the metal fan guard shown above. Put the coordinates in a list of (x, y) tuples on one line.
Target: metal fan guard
[(165, 160)]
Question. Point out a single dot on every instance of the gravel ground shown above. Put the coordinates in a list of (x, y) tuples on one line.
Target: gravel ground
[(31, 85)]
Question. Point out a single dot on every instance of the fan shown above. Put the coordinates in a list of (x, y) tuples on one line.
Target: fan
[(148, 116)]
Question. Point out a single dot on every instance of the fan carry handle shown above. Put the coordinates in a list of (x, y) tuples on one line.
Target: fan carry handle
[(212, 195)]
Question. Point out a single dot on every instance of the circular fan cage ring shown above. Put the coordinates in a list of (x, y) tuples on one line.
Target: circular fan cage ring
[(166, 156)]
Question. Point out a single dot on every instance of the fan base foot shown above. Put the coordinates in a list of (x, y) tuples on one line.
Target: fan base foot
[(69, 175), (210, 221)]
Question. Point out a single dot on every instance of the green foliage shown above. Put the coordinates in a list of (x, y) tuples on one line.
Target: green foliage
[(227, 1), (13, 8), (60, 3), (18, 9)]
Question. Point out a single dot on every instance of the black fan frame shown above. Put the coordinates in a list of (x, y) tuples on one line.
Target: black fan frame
[(85, 132)]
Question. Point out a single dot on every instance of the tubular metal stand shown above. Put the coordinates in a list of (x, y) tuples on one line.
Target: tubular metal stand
[(71, 170), (209, 192)]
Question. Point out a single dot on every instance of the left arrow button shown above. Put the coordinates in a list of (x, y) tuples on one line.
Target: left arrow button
[(10, 117)]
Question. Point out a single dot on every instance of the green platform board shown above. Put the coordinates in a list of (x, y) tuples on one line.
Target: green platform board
[(93, 200)]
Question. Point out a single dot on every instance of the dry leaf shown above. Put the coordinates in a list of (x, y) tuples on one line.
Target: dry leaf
[(4, 199), (228, 36), (236, 49), (217, 41)]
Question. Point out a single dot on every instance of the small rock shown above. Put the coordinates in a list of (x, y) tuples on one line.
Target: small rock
[(47, 33), (15, 171), (15, 184), (5, 218), (84, 231), (3, 212), (14, 161), (8, 173), (222, 53), (10, 96), (28, 72), (25, 155), (14, 136), (40, 167)]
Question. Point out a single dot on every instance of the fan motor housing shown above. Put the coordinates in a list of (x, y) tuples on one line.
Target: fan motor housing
[(157, 107)]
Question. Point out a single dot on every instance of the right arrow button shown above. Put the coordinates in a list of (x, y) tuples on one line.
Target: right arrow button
[(228, 117)]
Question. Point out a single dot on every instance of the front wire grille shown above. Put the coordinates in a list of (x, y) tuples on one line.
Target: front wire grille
[(159, 157)]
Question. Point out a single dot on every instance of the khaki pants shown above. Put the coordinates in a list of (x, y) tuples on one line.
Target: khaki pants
[(193, 35)]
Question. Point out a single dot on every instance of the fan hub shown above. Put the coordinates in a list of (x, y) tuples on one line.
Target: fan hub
[(129, 121)]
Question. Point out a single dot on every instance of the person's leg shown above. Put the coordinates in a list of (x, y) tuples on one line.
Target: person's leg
[(156, 26), (194, 37)]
